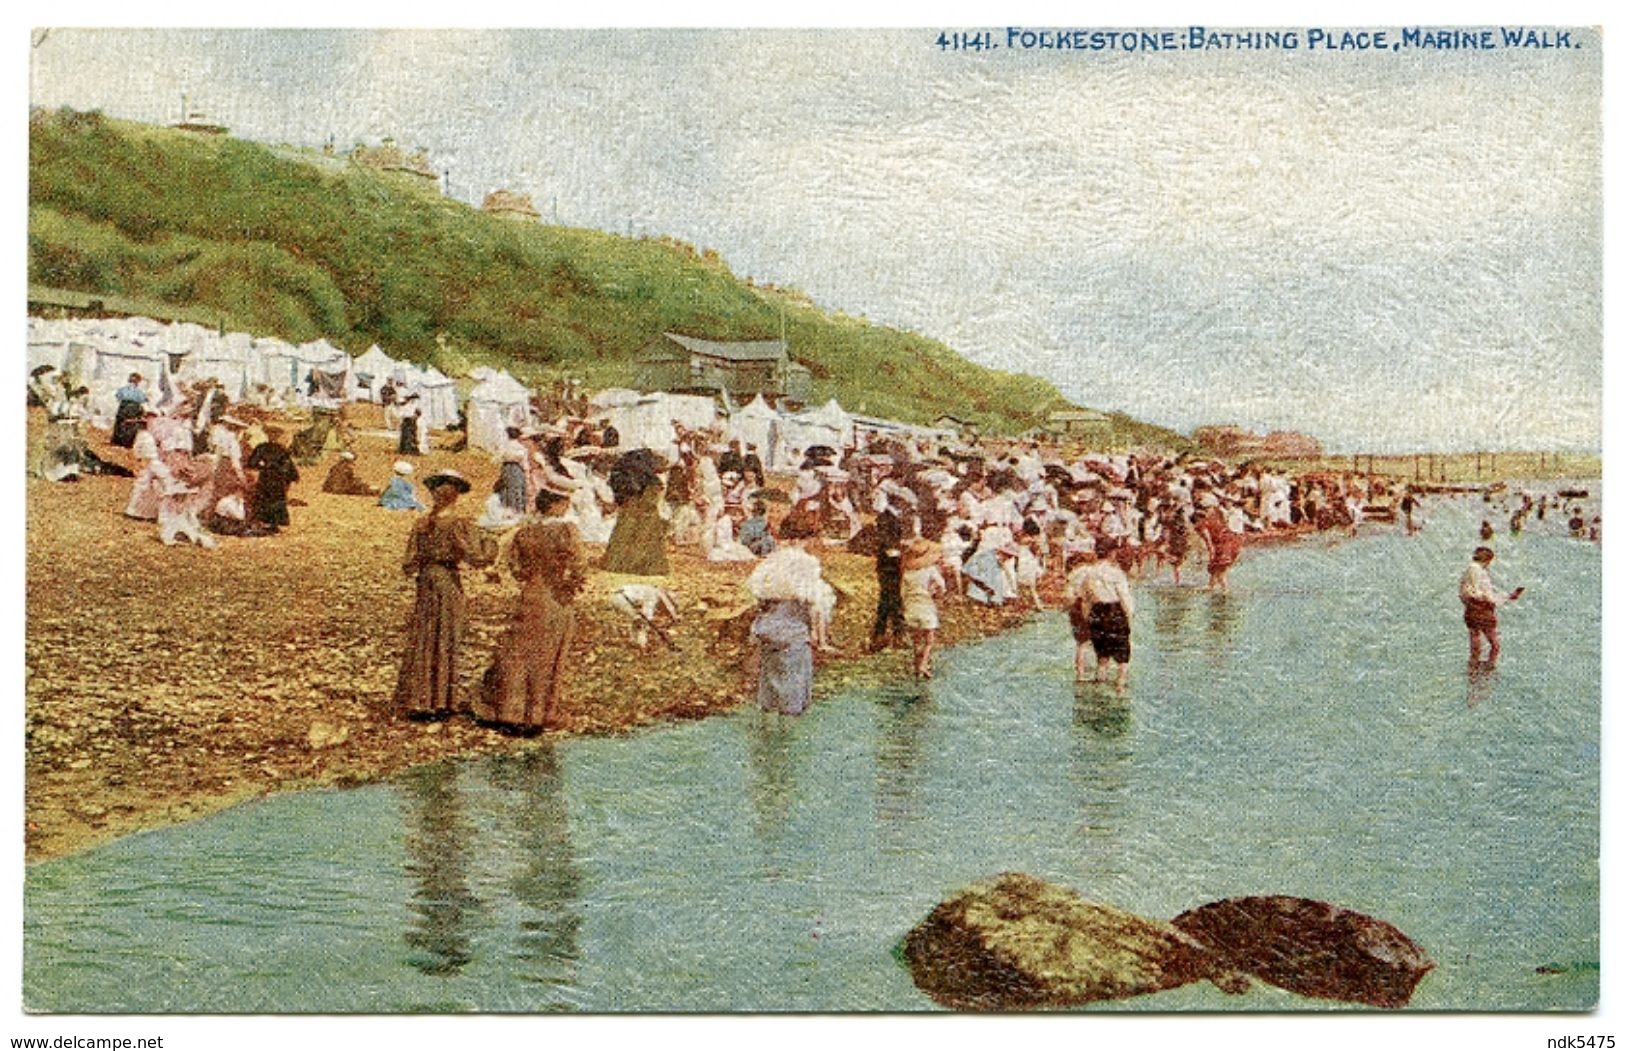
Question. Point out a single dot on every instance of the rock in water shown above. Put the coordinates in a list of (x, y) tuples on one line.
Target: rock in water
[(1311, 947), (1016, 943)]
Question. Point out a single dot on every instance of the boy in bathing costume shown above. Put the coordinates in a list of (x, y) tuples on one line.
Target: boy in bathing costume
[(1479, 601)]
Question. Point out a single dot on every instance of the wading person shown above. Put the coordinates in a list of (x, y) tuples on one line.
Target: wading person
[(1223, 547), (794, 606), (922, 583), (1479, 601), (521, 688), (438, 545), (1100, 584)]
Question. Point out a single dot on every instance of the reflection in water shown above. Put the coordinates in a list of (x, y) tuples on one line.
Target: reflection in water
[(1100, 710), (1223, 618), (438, 837), (1480, 682), (902, 716), (1173, 605), (546, 881), (1102, 755), (770, 742)]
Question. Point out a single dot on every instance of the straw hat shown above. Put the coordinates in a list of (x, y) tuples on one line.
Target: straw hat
[(447, 477)]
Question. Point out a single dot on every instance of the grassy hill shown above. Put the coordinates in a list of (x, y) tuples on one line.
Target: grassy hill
[(299, 245)]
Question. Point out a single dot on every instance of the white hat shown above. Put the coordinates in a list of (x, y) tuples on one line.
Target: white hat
[(402, 468)]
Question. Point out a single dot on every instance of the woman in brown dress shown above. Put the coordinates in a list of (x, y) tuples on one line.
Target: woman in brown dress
[(427, 687), (522, 686)]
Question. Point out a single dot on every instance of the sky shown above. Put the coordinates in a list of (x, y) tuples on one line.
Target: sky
[(1392, 251)]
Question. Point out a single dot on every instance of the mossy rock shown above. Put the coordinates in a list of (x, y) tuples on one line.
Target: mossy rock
[(1018, 943)]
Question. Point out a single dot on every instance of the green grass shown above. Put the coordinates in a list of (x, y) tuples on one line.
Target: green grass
[(264, 241)]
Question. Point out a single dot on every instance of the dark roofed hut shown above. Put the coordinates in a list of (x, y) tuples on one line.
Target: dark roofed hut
[(683, 364)]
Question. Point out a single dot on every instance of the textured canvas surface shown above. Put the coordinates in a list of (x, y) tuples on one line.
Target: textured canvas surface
[(1366, 262)]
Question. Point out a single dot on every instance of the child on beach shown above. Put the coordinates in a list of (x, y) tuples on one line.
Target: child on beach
[(1479, 601), (922, 582)]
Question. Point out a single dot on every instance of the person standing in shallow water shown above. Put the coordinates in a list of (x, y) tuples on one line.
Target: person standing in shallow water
[(1480, 600), (439, 544), (1099, 590)]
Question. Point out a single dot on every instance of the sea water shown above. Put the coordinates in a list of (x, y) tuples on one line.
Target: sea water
[(1315, 732)]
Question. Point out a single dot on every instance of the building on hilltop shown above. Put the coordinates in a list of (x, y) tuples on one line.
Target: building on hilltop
[(510, 205), (194, 121), (743, 370), (1078, 423), (1225, 439), (389, 157), (1290, 445), (959, 427), (1229, 440)]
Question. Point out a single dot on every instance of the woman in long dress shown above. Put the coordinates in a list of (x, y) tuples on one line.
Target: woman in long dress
[(794, 606), (276, 473), (521, 688), (439, 544), (638, 543), (512, 487), (1223, 547), (148, 487)]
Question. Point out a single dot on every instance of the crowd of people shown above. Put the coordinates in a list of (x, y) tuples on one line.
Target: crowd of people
[(992, 524)]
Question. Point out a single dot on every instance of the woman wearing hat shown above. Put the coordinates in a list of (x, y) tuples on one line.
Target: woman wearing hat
[(1223, 546), (794, 607), (276, 472), (1099, 592), (512, 487), (637, 545), (439, 544), (342, 480), (399, 494), (521, 688)]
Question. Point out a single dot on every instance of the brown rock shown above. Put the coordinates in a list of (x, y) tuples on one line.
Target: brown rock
[(1017, 943), (1312, 948)]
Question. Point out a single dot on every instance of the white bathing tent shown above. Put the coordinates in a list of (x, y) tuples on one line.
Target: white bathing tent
[(696, 412), (103, 365), (228, 360), (496, 404), (370, 371), (437, 396), (321, 355), (826, 425), (45, 351), (757, 423), (276, 364), (648, 421)]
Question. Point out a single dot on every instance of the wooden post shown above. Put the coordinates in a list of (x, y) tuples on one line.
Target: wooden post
[(1416, 467)]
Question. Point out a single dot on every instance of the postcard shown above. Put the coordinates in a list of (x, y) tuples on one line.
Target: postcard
[(989, 518)]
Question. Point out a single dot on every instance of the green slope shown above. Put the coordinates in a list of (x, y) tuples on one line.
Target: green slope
[(300, 245)]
